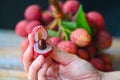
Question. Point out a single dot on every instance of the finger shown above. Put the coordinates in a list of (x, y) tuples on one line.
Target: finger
[(63, 57), (28, 55), (35, 66), (43, 70)]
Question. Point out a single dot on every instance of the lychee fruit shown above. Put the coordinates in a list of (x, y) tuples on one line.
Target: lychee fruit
[(80, 37), (103, 39), (20, 28), (55, 40), (71, 7), (97, 20), (82, 53), (41, 47), (31, 25), (67, 46), (33, 12), (98, 63)]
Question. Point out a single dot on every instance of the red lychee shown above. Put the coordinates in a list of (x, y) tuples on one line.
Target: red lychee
[(80, 37), (55, 40), (98, 63), (20, 28), (82, 53), (97, 20), (41, 47), (71, 7), (103, 39), (31, 25), (67, 46), (33, 12), (47, 17)]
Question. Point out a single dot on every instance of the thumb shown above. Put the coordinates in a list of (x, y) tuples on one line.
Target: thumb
[(61, 56)]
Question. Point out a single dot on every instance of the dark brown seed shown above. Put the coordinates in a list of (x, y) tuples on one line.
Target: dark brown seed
[(42, 44)]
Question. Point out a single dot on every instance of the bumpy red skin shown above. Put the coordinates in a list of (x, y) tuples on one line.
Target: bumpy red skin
[(67, 46), (82, 53), (71, 6), (33, 12), (20, 28), (47, 17), (103, 39), (98, 64), (92, 50), (106, 59), (31, 25), (55, 40), (97, 20), (80, 37)]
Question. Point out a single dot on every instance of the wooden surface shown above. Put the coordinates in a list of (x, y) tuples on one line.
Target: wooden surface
[(12, 69)]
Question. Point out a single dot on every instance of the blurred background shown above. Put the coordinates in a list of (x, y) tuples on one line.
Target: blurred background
[(11, 11)]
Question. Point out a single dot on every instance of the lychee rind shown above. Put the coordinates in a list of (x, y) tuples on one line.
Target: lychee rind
[(67, 46), (33, 12), (80, 37), (55, 40)]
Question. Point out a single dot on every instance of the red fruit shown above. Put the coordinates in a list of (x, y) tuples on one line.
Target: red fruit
[(82, 53), (31, 25), (67, 46), (41, 47), (80, 37), (97, 20), (47, 17), (98, 63), (103, 39), (106, 59), (92, 50), (89, 21), (20, 28), (55, 40), (71, 7), (24, 44), (108, 68), (33, 12)]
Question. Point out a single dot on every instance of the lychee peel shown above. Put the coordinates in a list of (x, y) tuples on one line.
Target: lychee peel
[(80, 37)]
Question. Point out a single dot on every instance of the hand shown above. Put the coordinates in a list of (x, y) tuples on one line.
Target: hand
[(59, 66)]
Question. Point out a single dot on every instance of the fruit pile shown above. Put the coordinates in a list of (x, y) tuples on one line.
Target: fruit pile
[(70, 29)]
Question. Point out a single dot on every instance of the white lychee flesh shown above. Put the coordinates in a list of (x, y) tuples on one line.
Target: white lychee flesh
[(44, 51)]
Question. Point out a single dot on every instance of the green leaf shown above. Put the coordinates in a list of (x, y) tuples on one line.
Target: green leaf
[(68, 32), (52, 33), (81, 20), (69, 25)]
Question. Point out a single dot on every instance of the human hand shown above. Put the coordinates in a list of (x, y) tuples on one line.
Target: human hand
[(58, 66)]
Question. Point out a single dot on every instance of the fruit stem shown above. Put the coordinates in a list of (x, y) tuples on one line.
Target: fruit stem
[(57, 11)]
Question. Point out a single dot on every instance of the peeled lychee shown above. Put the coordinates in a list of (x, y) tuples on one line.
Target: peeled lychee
[(33, 12), (80, 37), (41, 47), (67, 46), (31, 25), (103, 39), (82, 53), (71, 7), (97, 20), (55, 40), (20, 28)]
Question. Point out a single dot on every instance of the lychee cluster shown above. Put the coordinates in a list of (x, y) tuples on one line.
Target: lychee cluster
[(78, 32)]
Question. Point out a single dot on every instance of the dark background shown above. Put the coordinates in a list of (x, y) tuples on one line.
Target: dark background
[(11, 11)]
